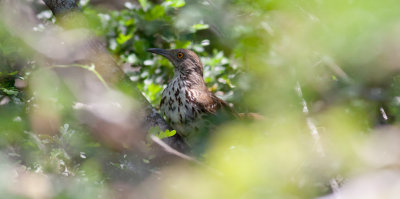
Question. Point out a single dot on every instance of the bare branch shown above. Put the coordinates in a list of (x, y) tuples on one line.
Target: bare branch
[(172, 151)]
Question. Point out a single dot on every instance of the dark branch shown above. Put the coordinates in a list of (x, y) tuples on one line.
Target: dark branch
[(59, 7)]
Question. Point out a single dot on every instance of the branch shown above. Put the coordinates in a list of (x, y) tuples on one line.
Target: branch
[(59, 7), (172, 151)]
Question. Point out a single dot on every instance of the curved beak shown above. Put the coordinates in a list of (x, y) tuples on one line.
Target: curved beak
[(159, 51)]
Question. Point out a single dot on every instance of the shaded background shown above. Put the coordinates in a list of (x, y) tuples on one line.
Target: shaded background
[(323, 73)]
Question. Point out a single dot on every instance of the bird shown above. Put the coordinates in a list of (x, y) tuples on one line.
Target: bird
[(186, 101)]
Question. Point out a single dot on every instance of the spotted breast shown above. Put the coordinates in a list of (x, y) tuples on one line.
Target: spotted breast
[(179, 107)]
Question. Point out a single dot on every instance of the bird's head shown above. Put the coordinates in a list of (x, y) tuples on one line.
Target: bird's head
[(185, 61)]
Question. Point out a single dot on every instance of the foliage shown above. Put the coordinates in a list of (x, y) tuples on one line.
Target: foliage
[(130, 32), (161, 134), (324, 74)]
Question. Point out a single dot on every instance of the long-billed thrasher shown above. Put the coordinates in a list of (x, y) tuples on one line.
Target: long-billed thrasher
[(186, 100)]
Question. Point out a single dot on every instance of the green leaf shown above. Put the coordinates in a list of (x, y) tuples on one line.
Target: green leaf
[(168, 133), (182, 44), (154, 92), (175, 3), (199, 26), (123, 38), (156, 12), (160, 134), (13, 73), (144, 4), (9, 91), (129, 22)]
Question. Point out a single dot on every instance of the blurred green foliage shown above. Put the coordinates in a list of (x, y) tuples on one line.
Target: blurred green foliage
[(323, 73)]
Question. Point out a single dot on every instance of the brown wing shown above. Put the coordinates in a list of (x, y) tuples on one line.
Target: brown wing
[(214, 104), (221, 105)]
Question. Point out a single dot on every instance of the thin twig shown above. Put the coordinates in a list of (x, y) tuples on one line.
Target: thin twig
[(310, 122), (90, 68), (315, 134), (336, 68), (172, 151)]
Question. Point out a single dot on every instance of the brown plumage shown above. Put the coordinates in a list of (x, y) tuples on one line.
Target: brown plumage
[(186, 100)]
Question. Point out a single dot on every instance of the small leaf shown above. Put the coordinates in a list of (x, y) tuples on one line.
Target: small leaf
[(166, 134), (129, 22), (175, 3), (199, 26), (123, 38), (169, 133), (160, 134)]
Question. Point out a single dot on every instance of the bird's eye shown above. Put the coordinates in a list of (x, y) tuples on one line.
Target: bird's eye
[(180, 55)]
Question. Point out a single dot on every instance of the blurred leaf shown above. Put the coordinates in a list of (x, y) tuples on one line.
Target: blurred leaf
[(156, 12), (167, 133), (9, 91), (123, 38), (13, 73), (199, 26), (144, 4), (161, 134), (175, 3)]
